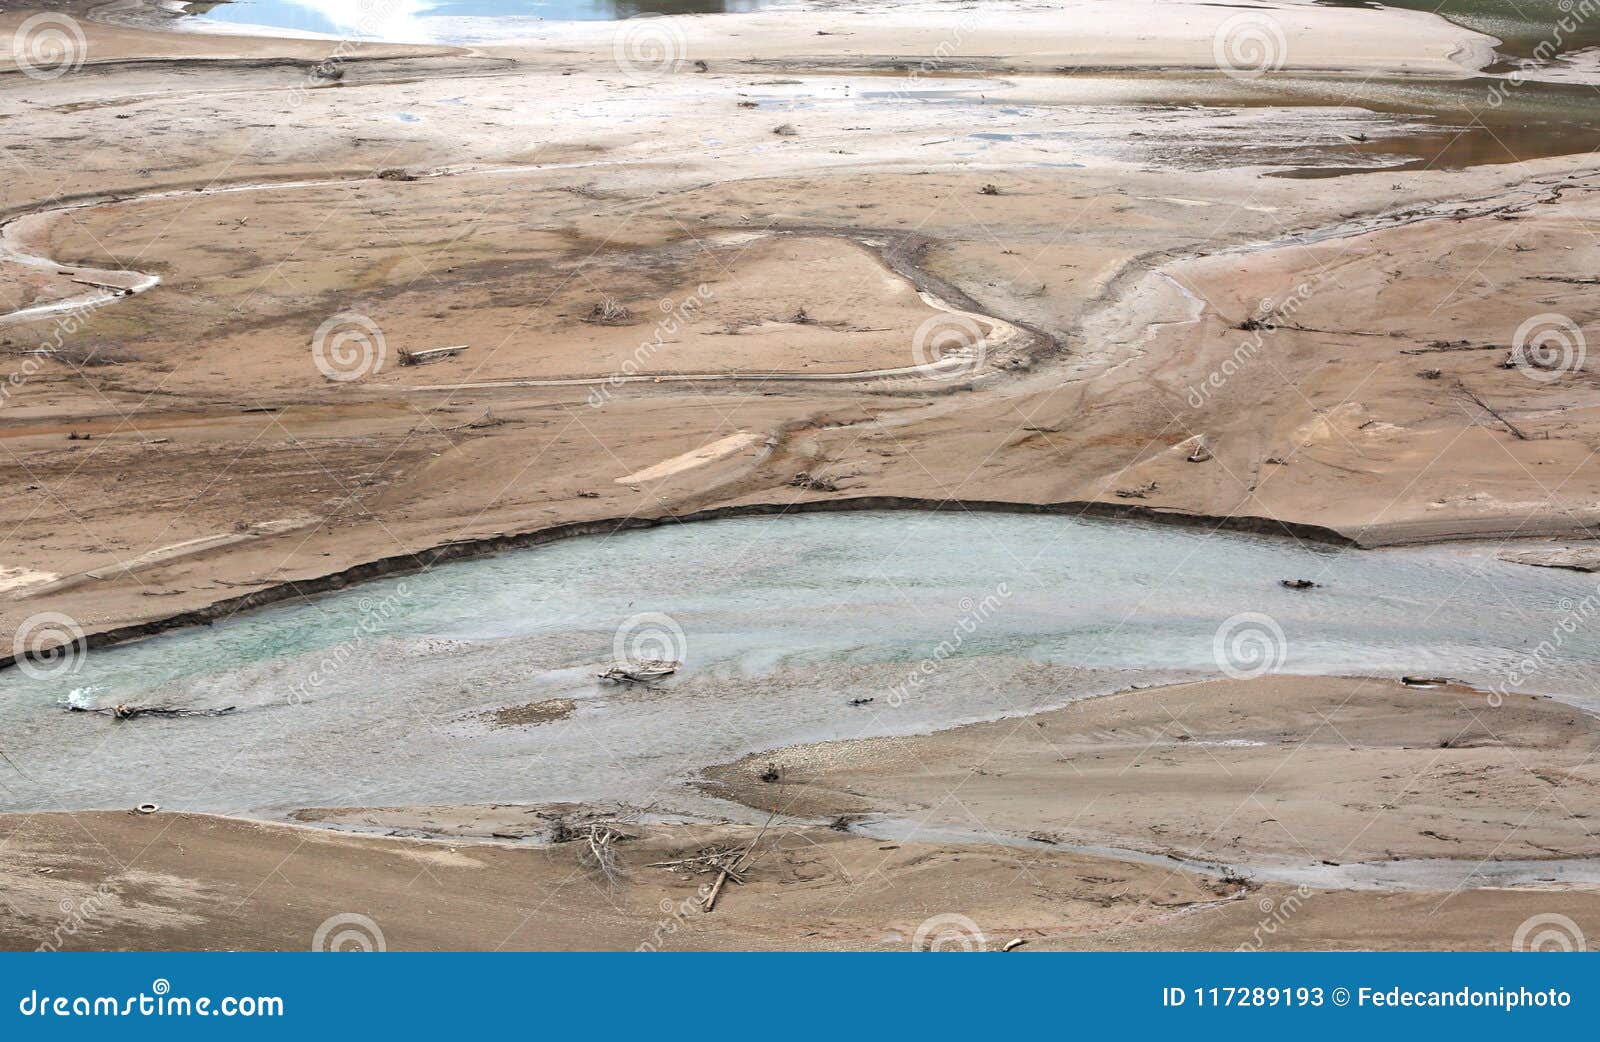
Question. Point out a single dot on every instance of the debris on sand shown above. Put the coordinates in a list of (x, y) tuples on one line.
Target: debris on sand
[(770, 774), (1410, 681), (1298, 584), (395, 173), (432, 354), (1199, 451), (609, 312), (640, 672), (1013, 944), (700, 66), (989, 189), (488, 419), (147, 808), (813, 482), (861, 701), (601, 854), (1137, 492), (91, 355), (800, 318), (749, 105), (726, 861), (123, 711), (1516, 432), (785, 130), (1429, 374)]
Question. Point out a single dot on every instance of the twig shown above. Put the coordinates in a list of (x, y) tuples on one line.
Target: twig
[(1513, 428)]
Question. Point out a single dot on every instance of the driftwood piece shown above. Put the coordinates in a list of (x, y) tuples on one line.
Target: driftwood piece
[(129, 712), (432, 354), (1520, 434), (639, 672)]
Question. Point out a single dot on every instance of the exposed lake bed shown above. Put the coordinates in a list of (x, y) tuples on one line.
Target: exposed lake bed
[(572, 282)]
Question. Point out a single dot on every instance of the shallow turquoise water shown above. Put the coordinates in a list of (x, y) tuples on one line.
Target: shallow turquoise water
[(377, 694), (443, 21)]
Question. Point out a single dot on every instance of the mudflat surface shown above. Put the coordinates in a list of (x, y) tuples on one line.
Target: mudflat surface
[(1304, 769)]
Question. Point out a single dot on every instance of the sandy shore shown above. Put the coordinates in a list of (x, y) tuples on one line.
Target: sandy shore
[(680, 289), (1254, 804), (1290, 770)]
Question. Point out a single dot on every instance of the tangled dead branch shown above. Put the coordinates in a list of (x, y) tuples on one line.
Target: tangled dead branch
[(725, 861)]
